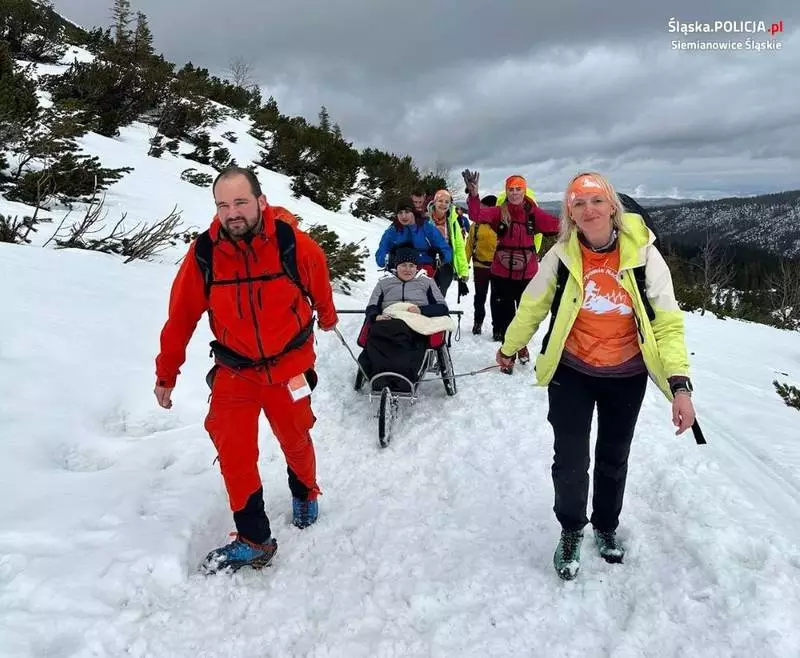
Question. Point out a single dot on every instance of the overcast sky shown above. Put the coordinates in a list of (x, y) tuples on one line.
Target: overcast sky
[(544, 90)]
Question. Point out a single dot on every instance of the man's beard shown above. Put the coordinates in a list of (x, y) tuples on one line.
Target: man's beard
[(242, 230)]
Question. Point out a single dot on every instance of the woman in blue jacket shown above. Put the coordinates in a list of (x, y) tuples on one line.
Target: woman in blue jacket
[(411, 230)]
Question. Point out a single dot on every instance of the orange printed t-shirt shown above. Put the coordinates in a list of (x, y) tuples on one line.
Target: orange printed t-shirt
[(604, 333)]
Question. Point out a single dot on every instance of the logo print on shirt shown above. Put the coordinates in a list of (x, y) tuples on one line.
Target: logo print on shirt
[(603, 294)]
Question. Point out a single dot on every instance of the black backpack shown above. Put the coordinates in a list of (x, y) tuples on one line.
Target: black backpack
[(562, 274), (630, 205), (287, 244)]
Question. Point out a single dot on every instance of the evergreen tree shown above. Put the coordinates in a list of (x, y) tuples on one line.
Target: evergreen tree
[(789, 393), (386, 178), (324, 120), (19, 107), (108, 95), (267, 116), (121, 21), (32, 30), (345, 261), (142, 41)]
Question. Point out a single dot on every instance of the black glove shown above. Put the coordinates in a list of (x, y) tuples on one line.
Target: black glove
[(469, 176), (463, 288)]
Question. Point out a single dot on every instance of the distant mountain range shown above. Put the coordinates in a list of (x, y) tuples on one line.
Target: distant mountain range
[(647, 202), (768, 222)]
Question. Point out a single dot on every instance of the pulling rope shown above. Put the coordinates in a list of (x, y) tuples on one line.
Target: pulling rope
[(367, 378), (467, 374), (352, 356)]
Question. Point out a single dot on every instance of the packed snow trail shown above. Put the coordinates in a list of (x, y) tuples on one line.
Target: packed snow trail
[(439, 545)]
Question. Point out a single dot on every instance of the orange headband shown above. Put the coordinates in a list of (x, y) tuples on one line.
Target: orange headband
[(438, 192), (585, 185), (516, 181)]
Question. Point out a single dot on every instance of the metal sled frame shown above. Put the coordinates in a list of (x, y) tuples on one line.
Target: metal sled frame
[(389, 400), (412, 395)]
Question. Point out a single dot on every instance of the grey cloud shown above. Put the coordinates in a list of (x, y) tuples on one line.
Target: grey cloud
[(516, 85)]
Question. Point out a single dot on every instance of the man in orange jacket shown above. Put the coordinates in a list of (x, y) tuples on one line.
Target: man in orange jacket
[(264, 355)]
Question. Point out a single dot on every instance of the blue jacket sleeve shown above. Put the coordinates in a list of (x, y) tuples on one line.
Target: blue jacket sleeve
[(437, 241), (385, 246)]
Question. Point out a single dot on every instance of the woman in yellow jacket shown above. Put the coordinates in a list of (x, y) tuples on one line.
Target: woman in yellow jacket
[(442, 213), (600, 350), (481, 245)]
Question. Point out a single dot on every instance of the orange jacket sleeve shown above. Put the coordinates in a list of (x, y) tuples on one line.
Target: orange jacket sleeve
[(187, 303), (313, 269)]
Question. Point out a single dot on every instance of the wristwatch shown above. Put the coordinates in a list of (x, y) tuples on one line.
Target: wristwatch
[(683, 385)]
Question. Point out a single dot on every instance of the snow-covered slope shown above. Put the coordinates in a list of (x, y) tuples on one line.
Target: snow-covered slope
[(440, 545), (154, 187)]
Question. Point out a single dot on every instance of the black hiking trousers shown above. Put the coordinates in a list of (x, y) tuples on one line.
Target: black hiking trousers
[(573, 396), (444, 277), (504, 300), (482, 279)]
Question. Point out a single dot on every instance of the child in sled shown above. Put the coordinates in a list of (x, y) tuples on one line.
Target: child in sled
[(405, 308)]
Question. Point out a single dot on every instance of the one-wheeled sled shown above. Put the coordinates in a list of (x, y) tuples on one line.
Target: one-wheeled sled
[(390, 388)]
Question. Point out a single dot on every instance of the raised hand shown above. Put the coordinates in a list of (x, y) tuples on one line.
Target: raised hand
[(471, 179)]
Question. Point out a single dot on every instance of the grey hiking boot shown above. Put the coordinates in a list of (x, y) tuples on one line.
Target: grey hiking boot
[(567, 558), (609, 547)]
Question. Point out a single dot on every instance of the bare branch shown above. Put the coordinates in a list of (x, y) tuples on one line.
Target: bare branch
[(58, 230), (716, 265), (153, 239), (241, 72), (91, 223), (785, 286)]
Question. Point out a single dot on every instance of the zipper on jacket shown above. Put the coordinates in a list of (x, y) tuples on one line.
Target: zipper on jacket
[(239, 297), (253, 306)]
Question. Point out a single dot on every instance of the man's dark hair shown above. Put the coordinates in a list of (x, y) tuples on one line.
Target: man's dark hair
[(418, 192), (230, 172)]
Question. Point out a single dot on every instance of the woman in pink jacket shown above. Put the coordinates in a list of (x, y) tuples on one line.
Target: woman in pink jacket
[(515, 260)]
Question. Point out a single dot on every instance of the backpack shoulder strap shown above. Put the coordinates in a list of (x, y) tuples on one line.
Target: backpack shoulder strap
[(631, 205), (562, 274), (474, 239), (641, 284), (204, 257), (287, 245)]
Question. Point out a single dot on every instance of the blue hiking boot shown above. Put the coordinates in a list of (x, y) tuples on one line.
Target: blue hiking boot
[(239, 553), (304, 512)]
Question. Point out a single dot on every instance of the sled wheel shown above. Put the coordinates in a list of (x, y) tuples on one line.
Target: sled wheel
[(446, 370), (359, 383), (387, 412)]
